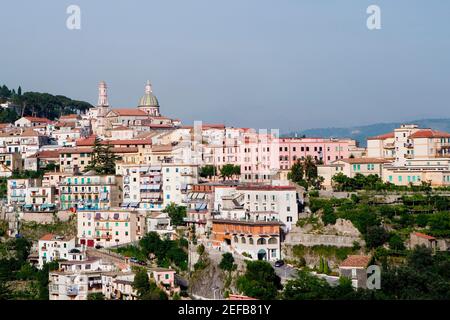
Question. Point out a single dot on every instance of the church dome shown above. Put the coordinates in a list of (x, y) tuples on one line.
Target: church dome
[(148, 99)]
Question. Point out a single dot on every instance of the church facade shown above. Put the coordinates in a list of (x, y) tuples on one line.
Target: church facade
[(144, 118)]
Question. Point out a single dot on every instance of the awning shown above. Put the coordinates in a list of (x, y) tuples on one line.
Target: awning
[(125, 205), (134, 204)]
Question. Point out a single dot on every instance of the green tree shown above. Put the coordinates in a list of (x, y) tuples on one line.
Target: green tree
[(176, 214), (304, 173), (208, 171), (154, 293), (259, 281), (5, 291), (8, 116), (103, 160), (96, 296), (229, 170), (227, 262), (396, 242), (375, 236), (306, 287), (141, 282)]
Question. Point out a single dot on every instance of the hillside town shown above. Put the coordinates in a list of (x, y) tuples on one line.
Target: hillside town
[(127, 204)]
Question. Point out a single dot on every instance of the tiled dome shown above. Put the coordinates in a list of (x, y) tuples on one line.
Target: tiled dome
[(148, 100)]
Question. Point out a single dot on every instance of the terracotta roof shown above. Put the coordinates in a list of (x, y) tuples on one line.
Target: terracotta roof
[(30, 133), (129, 112), (159, 125), (70, 116), (239, 297), (37, 119), (162, 147), (90, 150), (119, 128), (382, 136), (159, 269), (429, 133), (65, 124), (265, 187), (89, 141), (424, 236), (47, 237), (47, 154), (364, 160), (128, 142), (75, 150), (212, 126), (249, 222), (358, 261)]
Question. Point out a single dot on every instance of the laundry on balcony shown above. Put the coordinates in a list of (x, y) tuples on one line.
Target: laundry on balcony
[(98, 216), (116, 216)]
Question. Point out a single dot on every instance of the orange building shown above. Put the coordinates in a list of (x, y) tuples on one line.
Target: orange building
[(258, 239)]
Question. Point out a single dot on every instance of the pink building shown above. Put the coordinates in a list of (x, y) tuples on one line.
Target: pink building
[(255, 152), (327, 150)]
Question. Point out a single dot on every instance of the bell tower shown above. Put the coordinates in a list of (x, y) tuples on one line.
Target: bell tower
[(102, 94)]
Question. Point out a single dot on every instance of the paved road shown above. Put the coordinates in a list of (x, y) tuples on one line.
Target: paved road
[(285, 272)]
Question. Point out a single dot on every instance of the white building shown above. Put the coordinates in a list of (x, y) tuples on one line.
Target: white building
[(108, 228), (54, 248)]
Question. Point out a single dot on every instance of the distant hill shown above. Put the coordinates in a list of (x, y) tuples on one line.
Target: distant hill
[(360, 133), (38, 104)]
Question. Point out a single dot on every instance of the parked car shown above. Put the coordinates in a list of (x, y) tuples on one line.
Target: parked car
[(98, 247), (134, 260), (279, 263)]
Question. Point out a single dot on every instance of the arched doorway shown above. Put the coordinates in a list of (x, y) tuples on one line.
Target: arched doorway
[(262, 255)]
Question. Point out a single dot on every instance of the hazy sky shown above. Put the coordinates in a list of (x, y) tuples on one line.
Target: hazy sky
[(288, 64)]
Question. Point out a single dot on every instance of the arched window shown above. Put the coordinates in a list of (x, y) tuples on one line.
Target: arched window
[(243, 240), (235, 239), (261, 241), (250, 241), (273, 241)]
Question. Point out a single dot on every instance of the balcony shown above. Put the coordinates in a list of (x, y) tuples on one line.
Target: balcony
[(389, 145), (409, 156), (103, 228), (72, 291), (35, 195), (192, 220), (54, 288)]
